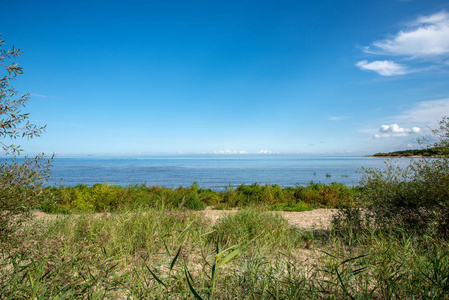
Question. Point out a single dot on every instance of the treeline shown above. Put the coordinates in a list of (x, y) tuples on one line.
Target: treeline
[(109, 198), (412, 152)]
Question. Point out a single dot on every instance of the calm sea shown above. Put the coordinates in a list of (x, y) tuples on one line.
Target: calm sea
[(211, 171)]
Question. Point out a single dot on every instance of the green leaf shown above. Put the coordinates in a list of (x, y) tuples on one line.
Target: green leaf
[(197, 296), (234, 253), (155, 277), (174, 259)]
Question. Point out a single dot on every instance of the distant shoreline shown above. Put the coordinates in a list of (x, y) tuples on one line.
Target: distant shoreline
[(403, 156), (411, 153)]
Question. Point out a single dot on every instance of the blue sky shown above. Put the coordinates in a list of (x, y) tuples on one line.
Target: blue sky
[(168, 77)]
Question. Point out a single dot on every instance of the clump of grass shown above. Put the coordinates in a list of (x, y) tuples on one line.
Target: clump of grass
[(272, 230), (379, 265), (51, 273), (128, 234)]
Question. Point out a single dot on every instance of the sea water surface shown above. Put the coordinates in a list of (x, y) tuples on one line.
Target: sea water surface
[(214, 172)]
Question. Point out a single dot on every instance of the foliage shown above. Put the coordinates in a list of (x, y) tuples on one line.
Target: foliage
[(298, 198), (107, 197), (173, 254), (271, 230), (410, 152), (442, 135), (20, 179), (415, 197)]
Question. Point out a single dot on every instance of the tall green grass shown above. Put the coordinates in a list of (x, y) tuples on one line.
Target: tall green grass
[(252, 254)]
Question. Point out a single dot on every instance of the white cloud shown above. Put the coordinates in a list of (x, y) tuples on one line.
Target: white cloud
[(226, 152), (425, 40), (267, 152), (394, 130), (437, 18), (424, 115), (427, 36), (383, 67)]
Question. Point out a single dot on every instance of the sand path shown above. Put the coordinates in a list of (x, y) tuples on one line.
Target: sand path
[(315, 219)]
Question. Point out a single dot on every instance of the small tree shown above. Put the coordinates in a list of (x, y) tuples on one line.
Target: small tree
[(21, 178), (442, 134)]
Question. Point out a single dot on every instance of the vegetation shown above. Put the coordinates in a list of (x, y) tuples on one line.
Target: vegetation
[(110, 198), (20, 180), (415, 197), (252, 254), (412, 152), (390, 240)]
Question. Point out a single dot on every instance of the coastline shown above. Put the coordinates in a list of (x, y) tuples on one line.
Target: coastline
[(404, 156)]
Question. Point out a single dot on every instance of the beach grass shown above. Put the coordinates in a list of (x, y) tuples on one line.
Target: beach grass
[(251, 254)]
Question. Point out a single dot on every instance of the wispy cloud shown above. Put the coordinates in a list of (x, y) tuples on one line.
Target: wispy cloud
[(427, 36), (38, 95), (426, 112), (425, 40), (383, 67), (337, 118)]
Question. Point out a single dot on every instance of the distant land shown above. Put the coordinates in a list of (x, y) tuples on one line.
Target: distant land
[(409, 153)]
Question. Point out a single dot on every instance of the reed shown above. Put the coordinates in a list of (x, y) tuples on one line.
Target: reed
[(252, 254)]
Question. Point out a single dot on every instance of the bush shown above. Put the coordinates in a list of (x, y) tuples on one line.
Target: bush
[(415, 197)]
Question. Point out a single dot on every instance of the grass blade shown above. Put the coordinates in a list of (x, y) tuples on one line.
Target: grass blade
[(175, 258), (219, 255), (197, 296), (234, 253), (182, 232), (166, 247), (213, 276), (155, 277)]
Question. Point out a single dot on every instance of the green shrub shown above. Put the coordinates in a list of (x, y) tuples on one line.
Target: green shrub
[(335, 195), (415, 197), (292, 206), (108, 198)]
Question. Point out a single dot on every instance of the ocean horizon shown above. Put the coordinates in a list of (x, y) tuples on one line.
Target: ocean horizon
[(211, 171)]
